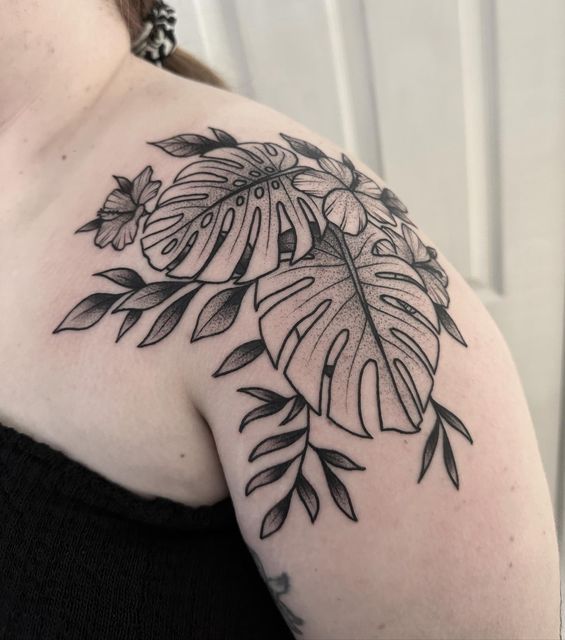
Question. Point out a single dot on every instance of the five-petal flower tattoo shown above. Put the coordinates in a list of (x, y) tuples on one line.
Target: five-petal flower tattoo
[(118, 219), (351, 199)]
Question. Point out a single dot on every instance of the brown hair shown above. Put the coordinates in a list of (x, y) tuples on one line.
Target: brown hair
[(180, 62)]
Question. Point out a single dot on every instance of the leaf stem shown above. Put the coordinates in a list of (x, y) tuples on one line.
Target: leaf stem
[(348, 258), (306, 444)]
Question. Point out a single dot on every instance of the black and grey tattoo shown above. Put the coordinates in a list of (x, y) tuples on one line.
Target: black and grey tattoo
[(279, 586), (340, 283)]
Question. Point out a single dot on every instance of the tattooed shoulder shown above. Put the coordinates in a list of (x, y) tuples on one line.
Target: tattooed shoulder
[(340, 281)]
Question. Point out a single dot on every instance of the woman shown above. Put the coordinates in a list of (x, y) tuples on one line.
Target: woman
[(305, 360)]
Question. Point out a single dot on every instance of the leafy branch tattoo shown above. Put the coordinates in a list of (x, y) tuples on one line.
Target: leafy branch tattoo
[(340, 283)]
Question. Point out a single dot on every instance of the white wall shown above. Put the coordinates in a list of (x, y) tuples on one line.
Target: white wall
[(460, 106)]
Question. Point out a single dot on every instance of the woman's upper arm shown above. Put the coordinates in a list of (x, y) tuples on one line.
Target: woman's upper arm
[(367, 414)]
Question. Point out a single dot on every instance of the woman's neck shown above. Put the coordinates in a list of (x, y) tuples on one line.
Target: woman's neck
[(58, 60)]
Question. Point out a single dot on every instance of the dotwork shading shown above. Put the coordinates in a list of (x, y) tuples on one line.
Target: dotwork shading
[(339, 282)]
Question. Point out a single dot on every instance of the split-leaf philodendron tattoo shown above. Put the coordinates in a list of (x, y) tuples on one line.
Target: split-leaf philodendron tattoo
[(341, 285)]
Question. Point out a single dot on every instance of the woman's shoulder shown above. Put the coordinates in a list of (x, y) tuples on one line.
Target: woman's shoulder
[(220, 281), (350, 377)]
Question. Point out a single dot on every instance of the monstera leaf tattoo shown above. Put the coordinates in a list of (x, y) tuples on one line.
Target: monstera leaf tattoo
[(372, 310), (231, 201), (349, 303)]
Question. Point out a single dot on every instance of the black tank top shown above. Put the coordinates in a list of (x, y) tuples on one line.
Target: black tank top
[(83, 558)]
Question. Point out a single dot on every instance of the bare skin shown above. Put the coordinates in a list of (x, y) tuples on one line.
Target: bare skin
[(422, 561)]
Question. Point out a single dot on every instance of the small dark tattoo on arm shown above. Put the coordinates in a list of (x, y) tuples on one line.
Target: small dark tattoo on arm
[(340, 284), (279, 586)]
